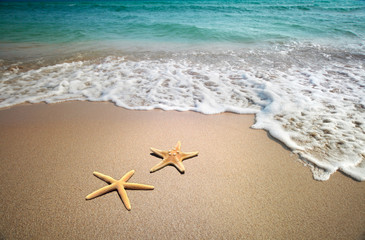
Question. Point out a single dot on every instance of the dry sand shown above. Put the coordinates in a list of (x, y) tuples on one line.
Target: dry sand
[(243, 184)]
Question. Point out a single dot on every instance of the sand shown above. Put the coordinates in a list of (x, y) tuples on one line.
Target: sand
[(242, 185)]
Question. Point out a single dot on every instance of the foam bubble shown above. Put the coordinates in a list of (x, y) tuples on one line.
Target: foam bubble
[(317, 110)]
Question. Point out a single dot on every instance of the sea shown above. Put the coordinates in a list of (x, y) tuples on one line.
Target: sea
[(298, 65)]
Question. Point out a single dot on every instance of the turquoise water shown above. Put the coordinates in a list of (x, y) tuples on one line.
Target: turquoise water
[(181, 21), (299, 66)]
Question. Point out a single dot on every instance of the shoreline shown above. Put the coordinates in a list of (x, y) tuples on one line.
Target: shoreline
[(243, 183)]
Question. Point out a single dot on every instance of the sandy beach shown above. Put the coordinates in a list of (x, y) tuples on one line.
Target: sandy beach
[(242, 185)]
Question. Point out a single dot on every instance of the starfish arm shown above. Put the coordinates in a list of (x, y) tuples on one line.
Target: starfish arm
[(178, 146), (104, 177), (159, 166), (127, 176), (160, 153), (123, 195), (180, 167), (186, 155), (137, 186), (100, 192)]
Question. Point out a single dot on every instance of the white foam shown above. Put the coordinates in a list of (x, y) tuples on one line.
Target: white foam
[(318, 111)]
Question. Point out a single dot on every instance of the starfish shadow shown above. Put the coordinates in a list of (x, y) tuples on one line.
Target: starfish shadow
[(155, 155)]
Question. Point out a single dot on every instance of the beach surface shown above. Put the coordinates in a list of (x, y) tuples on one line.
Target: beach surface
[(242, 185)]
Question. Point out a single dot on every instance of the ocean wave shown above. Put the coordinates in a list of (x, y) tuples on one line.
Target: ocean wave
[(187, 31), (317, 110), (344, 9)]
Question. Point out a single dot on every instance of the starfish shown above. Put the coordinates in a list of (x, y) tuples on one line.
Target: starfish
[(172, 157), (119, 185)]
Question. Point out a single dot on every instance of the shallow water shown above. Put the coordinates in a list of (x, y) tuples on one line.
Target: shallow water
[(180, 21)]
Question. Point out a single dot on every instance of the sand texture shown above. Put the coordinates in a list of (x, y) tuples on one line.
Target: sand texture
[(242, 185)]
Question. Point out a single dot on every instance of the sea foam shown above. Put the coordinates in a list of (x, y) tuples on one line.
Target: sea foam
[(309, 97)]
